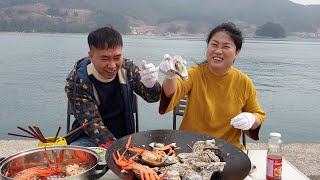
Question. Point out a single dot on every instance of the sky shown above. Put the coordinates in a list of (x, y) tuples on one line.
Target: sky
[(306, 2)]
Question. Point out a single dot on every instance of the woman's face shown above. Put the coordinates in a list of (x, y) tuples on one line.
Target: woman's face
[(221, 52)]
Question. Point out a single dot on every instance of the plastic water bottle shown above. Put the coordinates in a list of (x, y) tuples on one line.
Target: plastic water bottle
[(274, 157)]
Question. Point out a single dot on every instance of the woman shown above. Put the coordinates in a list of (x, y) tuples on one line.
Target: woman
[(222, 100)]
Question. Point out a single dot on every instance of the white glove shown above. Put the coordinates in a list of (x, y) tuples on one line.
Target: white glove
[(165, 66), (243, 121), (149, 74)]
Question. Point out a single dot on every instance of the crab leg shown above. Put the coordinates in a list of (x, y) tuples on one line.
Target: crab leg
[(127, 146), (55, 160), (61, 154), (47, 158)]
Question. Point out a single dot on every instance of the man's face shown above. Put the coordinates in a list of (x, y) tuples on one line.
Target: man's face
[(106, 61)]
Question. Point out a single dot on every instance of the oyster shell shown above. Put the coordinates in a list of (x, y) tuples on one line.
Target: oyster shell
[(170, 174), (201, 146), (178, 66), (154, 145), (181, 168), (192, 175), (200, 164), (205, 156)]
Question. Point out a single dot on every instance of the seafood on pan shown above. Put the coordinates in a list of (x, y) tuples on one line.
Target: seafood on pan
[(201, 163), (162, 162), (56, 167), (159, 156), (177, 66)]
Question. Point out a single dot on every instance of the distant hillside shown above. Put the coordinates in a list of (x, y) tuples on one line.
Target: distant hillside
[(154, 16)]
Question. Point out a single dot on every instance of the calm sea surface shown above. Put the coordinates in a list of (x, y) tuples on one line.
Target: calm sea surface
[(33, 69)]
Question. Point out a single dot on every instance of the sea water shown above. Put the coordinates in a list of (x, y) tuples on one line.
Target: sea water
[(33, 69)]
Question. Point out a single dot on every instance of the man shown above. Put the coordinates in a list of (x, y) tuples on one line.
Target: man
[(100, 88)]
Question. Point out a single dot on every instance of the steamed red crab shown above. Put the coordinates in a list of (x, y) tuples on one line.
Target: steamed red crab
[(155, 158)]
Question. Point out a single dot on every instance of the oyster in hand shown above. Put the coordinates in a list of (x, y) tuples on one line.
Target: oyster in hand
[(178, 66)]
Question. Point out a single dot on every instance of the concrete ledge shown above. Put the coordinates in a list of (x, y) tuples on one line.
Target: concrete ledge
[(305, 157)]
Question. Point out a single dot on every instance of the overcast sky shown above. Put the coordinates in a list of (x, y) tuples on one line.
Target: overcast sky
[(306, 2)]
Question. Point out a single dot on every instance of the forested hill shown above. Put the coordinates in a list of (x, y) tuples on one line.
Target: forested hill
[(154, 16)]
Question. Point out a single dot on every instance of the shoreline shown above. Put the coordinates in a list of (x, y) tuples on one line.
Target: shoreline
[(303, 156)]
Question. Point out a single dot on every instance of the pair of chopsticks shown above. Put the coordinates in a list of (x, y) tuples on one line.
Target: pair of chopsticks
[(77, 129), (35, 133)]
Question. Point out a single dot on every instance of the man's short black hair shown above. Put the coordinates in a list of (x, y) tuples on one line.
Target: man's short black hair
[(105, 38)]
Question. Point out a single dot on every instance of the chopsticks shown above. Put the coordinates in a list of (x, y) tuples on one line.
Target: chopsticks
[(36, 133), (70, 133), (55, 138), (19, 135), (40, 135), (27, 131)]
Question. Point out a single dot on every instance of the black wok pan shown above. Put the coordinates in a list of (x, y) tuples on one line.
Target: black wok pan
[(238, 164)]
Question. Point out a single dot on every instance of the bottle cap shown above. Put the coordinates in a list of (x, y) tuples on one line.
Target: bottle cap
[(274, 134)]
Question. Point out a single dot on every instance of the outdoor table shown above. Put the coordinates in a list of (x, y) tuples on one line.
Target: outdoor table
[(258, 158)]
